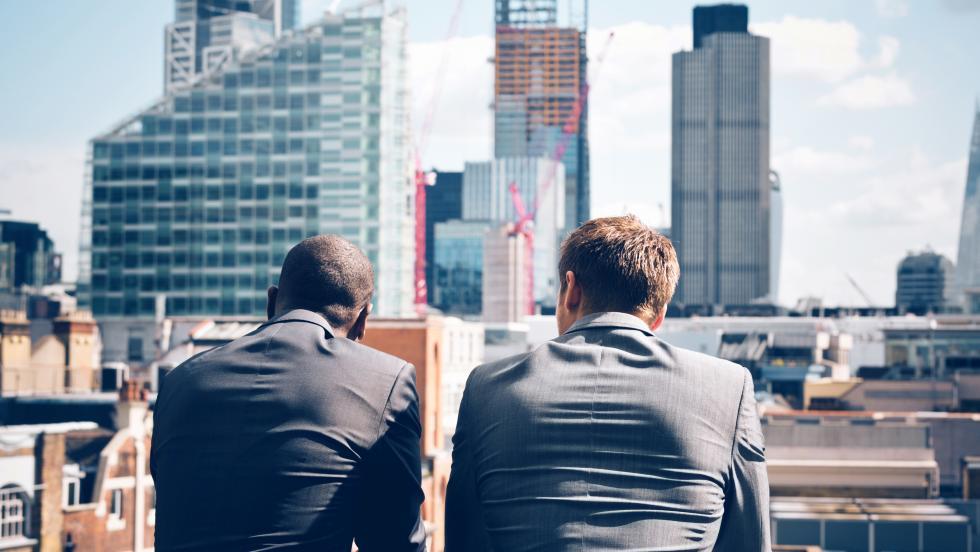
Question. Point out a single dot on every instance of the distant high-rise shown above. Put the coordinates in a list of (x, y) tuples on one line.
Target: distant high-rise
[(456, 286), (775, 234), (206, 34), (720, 188), (487, 197), (924, 283), (197, 199), (443, 202), (27, 256), (968, 257), (539, 70), (505, 283)]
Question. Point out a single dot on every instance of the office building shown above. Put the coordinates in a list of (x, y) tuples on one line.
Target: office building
[(207, 34), (27, 256), (925, 283), (968, 255), (487, 197), (443, 202), (197, 199), (504, 287), (457, 273), (775, 235), (540, 69), (463, 350), (720, 186)]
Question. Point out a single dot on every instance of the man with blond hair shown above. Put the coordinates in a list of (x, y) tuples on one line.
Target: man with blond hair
[(606, 438)]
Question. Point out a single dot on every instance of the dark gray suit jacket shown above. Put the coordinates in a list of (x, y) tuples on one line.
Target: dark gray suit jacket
[(290, 438), (607, 438)]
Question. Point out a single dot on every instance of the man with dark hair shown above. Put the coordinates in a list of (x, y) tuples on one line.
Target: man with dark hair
[(607, 438), (293, 436)]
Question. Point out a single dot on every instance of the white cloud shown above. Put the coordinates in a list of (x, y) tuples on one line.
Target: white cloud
[(810, 160), (650, 214), (892, 8), (824, 50), (461, 122), (870, 92), (861, 142), (29, 174), (888, 47), (904, 203)]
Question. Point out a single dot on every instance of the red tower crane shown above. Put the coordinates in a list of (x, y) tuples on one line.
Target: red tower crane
[(422, 180), (524, 225)]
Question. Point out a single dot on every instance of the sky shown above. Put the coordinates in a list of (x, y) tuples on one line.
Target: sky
[(872, 105)]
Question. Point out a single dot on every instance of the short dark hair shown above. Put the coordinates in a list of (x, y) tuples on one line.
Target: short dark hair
[(328, 275), (621, 264)]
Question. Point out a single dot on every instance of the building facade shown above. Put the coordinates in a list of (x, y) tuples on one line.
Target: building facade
[(720, 187), (540, 70), (66, 360), (775, 235), (197, 199), (925, 283), (487, 197), (457, 284), (443, 202), (968, 255), (504, 287), (27, 256), (206, 34), (77, 486)]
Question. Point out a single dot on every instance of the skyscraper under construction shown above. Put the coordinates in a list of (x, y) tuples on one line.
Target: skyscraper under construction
[(540, 69)]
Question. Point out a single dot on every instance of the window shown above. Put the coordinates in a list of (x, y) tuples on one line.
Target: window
[(13, 513), (71, 491), (134, 349), (116, 504)]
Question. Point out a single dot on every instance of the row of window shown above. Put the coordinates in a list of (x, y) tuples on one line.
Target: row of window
[(179, 215), (165, 237), (102, 284), (210, 192), (178, 306)]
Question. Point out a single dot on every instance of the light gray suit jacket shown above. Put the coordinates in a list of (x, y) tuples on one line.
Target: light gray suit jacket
[(607, 438)]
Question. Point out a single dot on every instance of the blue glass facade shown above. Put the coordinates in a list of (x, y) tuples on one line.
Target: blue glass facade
[(457, 285)]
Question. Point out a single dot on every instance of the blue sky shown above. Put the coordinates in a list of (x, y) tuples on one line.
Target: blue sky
[(872, 102)]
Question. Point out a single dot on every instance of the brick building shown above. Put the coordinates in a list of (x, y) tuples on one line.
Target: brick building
[(422, 343), (78, 486)]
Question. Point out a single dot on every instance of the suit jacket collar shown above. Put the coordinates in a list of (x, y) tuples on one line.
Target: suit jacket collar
[(301, 315), (610, 320)]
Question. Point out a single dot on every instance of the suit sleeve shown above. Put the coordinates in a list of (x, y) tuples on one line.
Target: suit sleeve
[(465, 528), (745, 525), (390, 518)]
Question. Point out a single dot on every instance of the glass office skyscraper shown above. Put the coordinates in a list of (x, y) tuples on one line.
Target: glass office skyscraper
[(968, 256), (720, 188), (195, 201)]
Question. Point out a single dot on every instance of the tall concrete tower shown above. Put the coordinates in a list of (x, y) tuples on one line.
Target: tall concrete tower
[(720, 188)]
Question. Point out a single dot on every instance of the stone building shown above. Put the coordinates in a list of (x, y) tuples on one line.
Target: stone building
[(64, 361)]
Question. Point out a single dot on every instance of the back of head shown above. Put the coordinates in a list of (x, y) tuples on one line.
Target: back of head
[(622, 265), (328, 275)]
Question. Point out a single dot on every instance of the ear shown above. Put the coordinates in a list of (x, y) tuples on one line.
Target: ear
[(573, 293), (270, 306), (357, 330), (655, 325)]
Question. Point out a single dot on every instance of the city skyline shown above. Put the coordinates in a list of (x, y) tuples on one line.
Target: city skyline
[(839, 140)]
